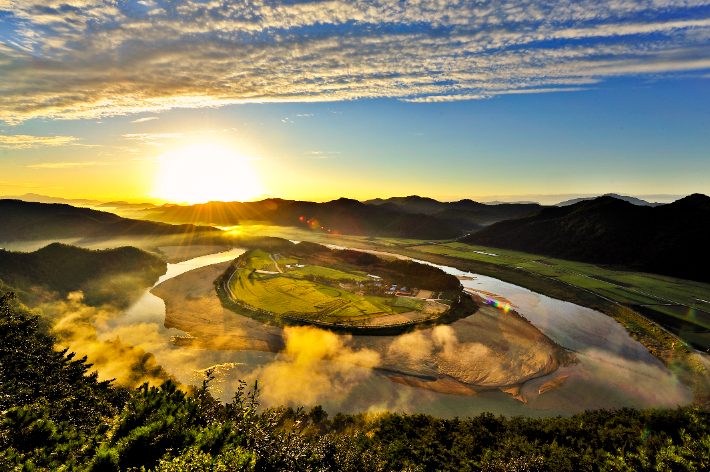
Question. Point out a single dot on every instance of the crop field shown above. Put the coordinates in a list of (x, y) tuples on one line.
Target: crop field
[(460, 253), (621, 286), (288, 260), (412, 303), (284, 295), (320, 271), (625, 287), (260, 260)]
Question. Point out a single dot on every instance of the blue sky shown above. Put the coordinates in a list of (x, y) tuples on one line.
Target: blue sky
[(448, 99)]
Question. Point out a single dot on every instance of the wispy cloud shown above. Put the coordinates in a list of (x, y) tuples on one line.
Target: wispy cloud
[(147, 137), (18, 184), (22, 141), (98, 58), (322, 154), (63, 165), (143, 120)]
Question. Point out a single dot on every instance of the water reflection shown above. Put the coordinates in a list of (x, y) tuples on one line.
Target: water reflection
[(614, 370)]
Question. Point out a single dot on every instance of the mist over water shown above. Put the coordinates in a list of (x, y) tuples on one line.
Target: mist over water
[(614, 369)]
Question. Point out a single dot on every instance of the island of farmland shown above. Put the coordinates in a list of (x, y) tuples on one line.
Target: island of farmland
[(342, 290)]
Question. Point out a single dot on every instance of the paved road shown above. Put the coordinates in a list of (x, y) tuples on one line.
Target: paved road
[(274, 261)]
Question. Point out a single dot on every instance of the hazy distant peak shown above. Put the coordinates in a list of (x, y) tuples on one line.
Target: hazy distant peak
[(346, 201), (626, 198)]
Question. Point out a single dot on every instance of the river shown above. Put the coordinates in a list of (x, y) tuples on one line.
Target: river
[(614, 370)]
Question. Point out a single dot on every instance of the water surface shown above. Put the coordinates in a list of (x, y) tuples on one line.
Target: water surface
[(614, 369)]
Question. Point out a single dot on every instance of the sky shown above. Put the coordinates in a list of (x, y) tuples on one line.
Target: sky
[(190, 101)]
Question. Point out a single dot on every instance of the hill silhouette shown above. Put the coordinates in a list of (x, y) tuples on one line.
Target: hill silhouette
[(38, 221), (634, 200), (669, 239), (465, 214), (344, 215), (410, 217)]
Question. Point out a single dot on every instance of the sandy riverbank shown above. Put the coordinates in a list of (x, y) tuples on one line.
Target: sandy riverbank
[(491, 349), (176, 254)]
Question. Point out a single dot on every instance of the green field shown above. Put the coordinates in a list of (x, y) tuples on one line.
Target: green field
[(620, 286), (327, 272), (260, 260), (411, 303), (284, 295), (287, 261)]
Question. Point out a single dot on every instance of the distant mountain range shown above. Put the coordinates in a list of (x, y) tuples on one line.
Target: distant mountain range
[(634, 200), (38, 221), (34, 197), (466, 215), (344, 216), (411, 217), (670, 239)]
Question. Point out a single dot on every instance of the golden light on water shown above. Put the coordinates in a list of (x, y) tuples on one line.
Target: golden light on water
[(206, 172)]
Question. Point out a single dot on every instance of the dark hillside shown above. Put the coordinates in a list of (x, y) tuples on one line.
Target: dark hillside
[(470, 217), (670, 239), (101, 275), (38, 221), (466, 214)]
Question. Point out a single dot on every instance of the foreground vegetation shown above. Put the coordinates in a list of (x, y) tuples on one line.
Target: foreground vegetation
[(57, 416)]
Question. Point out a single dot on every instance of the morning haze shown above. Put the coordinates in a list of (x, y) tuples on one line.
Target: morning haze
[(354, 235)]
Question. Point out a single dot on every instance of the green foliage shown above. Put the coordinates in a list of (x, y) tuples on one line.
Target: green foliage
[(621, 440), (33, 373), (52, 408), (194, 460)]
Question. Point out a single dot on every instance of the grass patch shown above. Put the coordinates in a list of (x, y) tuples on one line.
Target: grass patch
[(411, 303), (327, 272), (260, 260), (287, 261)]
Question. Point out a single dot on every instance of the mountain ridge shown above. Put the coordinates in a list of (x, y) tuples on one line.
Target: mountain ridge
[(614, 232), (37, 221)]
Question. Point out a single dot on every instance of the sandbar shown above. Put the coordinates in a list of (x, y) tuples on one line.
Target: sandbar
[(491, 349)]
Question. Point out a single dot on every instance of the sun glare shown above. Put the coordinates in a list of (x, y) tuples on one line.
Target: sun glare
[(205, 173)]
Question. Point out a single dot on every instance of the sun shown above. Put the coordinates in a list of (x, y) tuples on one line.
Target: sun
[(206, 172)]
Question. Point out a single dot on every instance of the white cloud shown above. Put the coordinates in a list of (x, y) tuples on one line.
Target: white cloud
[(18, 184), (143, 120), (64, 165), (21, 141), (91, 58), (148, 137)]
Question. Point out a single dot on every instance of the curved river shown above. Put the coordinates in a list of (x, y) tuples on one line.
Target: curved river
[(614, 370)]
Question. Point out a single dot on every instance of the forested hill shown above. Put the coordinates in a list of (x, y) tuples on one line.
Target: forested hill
[(105, 276), (23, 221), (670, 239), (344, 216)]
